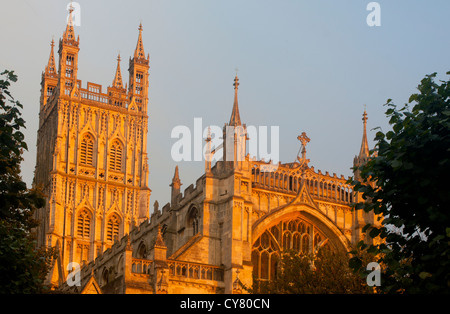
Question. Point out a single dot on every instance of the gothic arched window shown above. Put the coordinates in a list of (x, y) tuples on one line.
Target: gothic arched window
[(84, 224), (294, 234), (112, 228), (142, 251), (193, 220), (87, 150), (115, 156), (105, 276)]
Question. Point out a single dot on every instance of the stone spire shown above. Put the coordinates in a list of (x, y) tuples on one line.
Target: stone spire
[(364, 151), (50, 69), (117, 82), (139, 52), (235, 119)]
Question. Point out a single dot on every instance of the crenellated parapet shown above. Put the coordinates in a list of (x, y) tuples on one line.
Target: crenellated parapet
[(287, 179)]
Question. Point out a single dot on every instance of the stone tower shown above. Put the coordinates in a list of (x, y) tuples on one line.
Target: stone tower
[(91, 154)]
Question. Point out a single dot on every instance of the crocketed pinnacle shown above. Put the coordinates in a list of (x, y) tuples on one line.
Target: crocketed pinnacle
[(50, 69), (235, 119), (364, 151), (139, 52), (69, 33), (176, 183), (117, 82)]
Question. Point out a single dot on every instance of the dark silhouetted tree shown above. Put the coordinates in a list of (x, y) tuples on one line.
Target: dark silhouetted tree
[(22, 267), (411, 193)]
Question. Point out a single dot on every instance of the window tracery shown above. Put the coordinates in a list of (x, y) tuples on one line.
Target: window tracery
[(193, 220), (115, 161), (112, 228), (84, 224), (294, 234), (87, 150)]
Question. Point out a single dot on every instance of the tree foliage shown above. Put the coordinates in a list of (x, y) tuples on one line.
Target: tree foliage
[(22, 267), (406, 184), (327, 272)]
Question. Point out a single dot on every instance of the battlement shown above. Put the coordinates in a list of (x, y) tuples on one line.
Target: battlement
[(191, 191), (287, 178)]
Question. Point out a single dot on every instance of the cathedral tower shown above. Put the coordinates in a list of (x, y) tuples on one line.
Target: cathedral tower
[(91, 154)]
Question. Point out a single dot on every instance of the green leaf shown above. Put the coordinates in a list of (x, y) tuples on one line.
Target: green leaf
[(396, 163), (364, 229), (374, 232), (355, 263), (424, 275)]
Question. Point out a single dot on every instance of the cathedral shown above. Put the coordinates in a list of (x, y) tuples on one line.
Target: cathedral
[(220, 234)]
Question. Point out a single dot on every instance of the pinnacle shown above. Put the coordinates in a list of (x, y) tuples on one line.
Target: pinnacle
[(235, 119)]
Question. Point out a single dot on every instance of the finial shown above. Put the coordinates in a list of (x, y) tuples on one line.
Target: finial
[(236, 82), (140, 26), (208, 136), (71, 9), (364, 115), (237, 284), (159, 238), (176, 182), (235, 119), (208, 152), (304, 140)]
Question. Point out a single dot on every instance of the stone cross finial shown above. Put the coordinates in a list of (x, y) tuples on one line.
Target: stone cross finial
[(236, 82), (304, 140)]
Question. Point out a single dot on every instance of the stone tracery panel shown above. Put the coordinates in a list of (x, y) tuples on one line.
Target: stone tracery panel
[(290, 234)]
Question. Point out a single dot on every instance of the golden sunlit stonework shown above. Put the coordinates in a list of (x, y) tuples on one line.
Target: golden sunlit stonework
[(233, 224)]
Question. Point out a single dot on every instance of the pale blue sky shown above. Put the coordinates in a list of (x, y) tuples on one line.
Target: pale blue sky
[(303, 66)]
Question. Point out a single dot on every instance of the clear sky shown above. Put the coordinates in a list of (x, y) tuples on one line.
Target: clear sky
[(303, 66)]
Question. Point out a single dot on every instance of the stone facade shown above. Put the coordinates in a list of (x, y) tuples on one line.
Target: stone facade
[(91, 154), (215, 237)]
